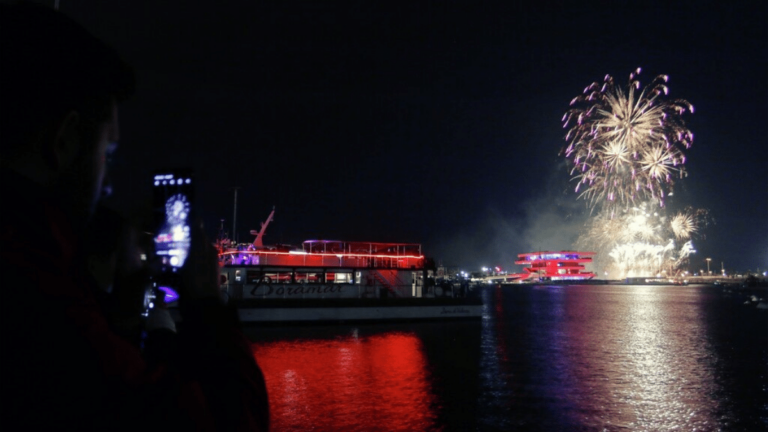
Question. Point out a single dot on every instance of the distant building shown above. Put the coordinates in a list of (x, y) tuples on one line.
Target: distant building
[(563, 265), (446, 272)]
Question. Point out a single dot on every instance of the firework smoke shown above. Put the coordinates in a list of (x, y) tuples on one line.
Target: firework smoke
[(643, 240)]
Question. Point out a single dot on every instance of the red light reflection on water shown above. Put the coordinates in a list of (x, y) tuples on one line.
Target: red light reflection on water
[(379, 382)]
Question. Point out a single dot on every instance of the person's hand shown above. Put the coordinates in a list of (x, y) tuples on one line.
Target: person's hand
[(121, 270), (200, 275)]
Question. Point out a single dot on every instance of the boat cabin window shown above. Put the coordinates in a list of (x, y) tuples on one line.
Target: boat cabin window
[(276, 276), (310, 277), (268, 277), (252, 276), (340, 277), (281, 277)]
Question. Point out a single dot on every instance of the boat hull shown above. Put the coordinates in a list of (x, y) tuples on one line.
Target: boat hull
[(358, 310)]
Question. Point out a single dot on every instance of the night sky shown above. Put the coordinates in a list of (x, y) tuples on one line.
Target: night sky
[(430, 122)]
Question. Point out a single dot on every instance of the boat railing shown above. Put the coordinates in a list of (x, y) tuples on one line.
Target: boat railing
[(271, 258)]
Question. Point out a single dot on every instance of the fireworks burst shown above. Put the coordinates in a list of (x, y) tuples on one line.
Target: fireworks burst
[(626, 147)]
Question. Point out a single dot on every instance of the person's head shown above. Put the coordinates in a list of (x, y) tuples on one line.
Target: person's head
[(59, 89)]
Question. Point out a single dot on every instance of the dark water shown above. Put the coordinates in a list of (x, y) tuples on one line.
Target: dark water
[(542, 358)]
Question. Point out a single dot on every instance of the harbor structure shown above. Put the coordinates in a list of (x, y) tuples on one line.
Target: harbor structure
[(555, 266)]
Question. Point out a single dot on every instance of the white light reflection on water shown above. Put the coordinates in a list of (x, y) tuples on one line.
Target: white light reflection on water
[(669, 378), (600, 358), (641, 359)]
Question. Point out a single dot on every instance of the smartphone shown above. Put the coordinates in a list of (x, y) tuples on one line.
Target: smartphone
[(173, 208)]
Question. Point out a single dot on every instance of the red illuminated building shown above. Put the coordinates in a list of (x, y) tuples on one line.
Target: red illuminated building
[(563, 265)]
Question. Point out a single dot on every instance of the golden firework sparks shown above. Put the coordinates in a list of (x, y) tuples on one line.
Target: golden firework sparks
[(625, 144)]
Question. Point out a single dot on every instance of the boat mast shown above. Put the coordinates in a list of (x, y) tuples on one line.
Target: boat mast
[(234, 218)]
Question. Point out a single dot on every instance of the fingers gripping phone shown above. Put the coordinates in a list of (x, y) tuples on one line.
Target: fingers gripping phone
[(173, 207)]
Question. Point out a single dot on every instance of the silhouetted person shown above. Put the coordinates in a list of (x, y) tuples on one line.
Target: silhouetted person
[(62, 366)]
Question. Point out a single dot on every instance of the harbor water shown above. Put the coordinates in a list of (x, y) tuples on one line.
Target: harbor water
[(542, 358)]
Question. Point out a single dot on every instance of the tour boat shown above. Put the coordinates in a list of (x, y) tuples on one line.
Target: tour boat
[(331, 281)]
